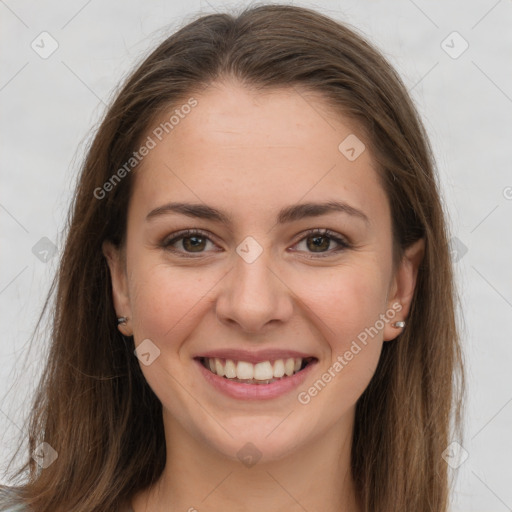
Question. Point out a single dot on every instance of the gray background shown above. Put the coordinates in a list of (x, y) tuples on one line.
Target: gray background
[(49, 108)]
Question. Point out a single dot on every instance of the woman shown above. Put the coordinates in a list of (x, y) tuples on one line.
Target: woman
[(255, 305)]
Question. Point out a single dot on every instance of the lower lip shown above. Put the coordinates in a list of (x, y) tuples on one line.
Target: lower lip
[(255, 391)]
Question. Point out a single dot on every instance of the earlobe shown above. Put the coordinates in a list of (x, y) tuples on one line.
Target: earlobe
[(403, 287), (119, 281)]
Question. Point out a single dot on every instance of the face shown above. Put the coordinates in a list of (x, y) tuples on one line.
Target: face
[(260, 279)]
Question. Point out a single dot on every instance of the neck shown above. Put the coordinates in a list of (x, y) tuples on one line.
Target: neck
[(197, 477)]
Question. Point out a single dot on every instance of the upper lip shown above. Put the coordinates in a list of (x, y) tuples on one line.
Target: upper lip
[(253, 356)]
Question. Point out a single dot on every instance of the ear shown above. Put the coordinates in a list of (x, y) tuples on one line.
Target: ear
[(116, 262), (403, 286)]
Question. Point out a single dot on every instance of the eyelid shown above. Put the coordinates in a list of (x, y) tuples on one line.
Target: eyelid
[(338, 238), (184, 233), (334, 236)]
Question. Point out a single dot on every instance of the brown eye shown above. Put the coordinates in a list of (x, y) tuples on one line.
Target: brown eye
[(187, 242), (319, 242), (193, 243)]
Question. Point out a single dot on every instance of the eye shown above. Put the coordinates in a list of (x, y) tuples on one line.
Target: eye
[(191, 241), (319, 242), (194, 241)]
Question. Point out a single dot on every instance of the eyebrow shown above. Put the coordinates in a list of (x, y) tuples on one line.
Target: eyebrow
[(287, 214)]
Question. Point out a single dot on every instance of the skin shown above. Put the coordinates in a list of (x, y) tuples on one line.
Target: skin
[(250, 154)]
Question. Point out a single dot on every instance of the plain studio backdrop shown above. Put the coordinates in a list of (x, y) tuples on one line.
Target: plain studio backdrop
[(60, 63)]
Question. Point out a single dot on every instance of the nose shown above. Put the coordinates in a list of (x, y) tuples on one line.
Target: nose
[(252, 296)]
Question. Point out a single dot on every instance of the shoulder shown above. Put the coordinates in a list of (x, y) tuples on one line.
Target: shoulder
[(10, 500)]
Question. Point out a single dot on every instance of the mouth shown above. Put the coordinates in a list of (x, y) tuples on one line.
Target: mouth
[(259, 373)]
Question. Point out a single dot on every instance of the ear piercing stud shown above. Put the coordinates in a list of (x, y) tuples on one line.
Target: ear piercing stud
[(122, 320)]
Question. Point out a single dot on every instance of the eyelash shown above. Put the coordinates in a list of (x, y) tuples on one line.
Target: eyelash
[(189, 233)]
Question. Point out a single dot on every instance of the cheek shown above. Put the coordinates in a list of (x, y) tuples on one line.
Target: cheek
[(167, 305), (341, 302), (345, 300), (349, 304), (166, 300)]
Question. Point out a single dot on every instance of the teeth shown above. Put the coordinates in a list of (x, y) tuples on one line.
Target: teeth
[(289, 365), (219, 369), (279, 368), (264, 371), (230, 369), (244, 370)]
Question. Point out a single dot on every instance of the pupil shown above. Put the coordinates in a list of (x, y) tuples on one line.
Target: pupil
[(318, 244), (195, 244)]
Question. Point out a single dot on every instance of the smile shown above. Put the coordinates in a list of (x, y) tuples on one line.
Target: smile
[(265, 377), (264, 372)]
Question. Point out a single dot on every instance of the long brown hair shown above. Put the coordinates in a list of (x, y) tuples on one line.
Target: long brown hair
[(94, 406)]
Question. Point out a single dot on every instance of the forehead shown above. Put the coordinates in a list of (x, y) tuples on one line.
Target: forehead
[(242, 149)]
